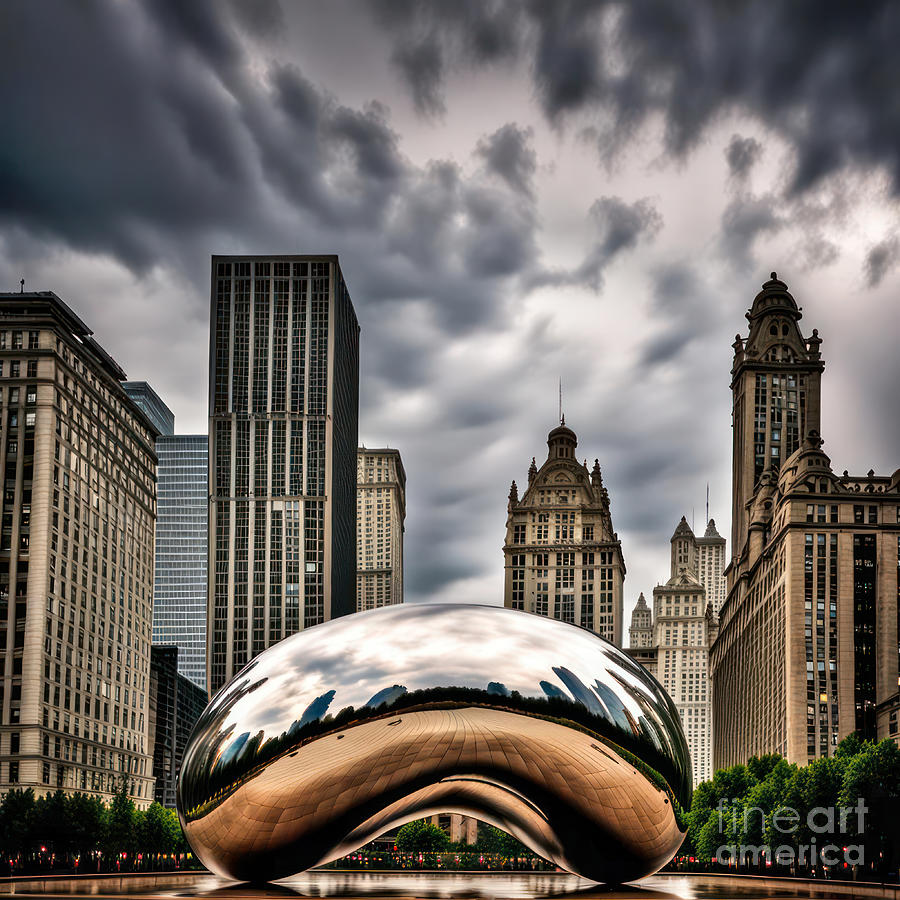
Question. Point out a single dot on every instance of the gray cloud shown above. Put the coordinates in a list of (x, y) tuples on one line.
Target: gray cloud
[(743, 221), (742, 153), (693, 62), (508, 154), (617, 227), (880, 259)]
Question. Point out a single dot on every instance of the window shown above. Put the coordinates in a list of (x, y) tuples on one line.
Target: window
[(17, 340), (31, 368), (873, 515), (518, 534), (858, 514), (587, 532), (33, 337)]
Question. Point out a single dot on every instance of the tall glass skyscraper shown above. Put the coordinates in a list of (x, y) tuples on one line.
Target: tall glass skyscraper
[(179, 594), (182, 510), (283, 405)]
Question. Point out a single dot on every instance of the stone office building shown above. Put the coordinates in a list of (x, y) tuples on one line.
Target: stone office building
[(675, 648), (562, 557), (807, 649), (76, 559), (283, 406), (380, 513)]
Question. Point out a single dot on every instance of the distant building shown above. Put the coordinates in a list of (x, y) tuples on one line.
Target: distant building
[(807, 650), (640, 634), (711, 564), (180, 585), (562, 557), (284, 383), (182, 510), (78, 467), (380, 513), (684, 627), (151, 405), (175, 706)]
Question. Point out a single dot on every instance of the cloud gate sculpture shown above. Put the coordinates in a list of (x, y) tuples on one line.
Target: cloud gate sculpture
[(337, 734)]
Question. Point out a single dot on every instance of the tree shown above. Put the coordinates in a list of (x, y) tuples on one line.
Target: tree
[(16, 821), (160, 831), (495, 840), (422, 837), (121, 825)]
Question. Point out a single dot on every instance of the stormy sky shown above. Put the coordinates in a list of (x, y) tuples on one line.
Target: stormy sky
[(520, 192)]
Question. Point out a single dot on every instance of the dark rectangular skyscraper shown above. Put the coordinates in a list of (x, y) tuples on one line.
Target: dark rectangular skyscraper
[(283, 404)]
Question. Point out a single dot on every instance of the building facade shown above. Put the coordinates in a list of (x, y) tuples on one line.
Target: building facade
[(562, 557), (182, 538), (283, 404), (676, 649), (640, 632), (808, 646), (711, 563), (151, 405), (175, 706), (380, 513), (76, 559)]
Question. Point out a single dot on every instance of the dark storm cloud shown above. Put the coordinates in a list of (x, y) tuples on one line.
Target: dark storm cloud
[(743, 221), (422, 65), (617, 227), (508, 154), (818, 80), (742, 153), (883, 257)]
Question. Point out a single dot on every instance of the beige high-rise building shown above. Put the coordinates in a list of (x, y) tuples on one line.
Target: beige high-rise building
[(76, 559), (562, 557), (807, 648), (283, 398), (640, 632), (676, 649), (380, 513), (711, 564)]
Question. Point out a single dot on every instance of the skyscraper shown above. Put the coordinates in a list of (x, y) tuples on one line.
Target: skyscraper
[(182, 508), (151, 405), (380, 511), (76, 559), (711, 565), (684, 627), (180, 582), (175, 705), (284, 380), (563, 558), (807, 648)]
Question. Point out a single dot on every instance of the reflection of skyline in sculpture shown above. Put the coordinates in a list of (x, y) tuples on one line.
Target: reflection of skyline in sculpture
[(479, 710)]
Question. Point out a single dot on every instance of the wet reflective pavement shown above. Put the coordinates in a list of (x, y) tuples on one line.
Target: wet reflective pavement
[(464, 886)]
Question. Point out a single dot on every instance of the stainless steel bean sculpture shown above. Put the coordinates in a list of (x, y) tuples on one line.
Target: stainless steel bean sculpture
[(345, 730)]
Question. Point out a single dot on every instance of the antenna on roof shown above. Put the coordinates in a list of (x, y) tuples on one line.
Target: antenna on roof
[(21, 285), (707, 502), (562, 421)]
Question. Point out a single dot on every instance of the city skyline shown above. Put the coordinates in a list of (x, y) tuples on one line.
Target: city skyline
[(489, 244)]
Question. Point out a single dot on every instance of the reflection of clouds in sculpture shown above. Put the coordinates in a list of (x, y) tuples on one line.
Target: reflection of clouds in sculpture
[(425, 680)]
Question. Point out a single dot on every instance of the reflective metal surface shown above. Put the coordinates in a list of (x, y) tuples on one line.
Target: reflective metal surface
[(349, 728)]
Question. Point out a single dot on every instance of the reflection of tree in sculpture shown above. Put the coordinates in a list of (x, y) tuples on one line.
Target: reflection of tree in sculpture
[(573, 748)]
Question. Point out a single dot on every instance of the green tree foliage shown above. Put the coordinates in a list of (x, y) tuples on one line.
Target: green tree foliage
[(422, 837), (770, 802), (494, 840), (159, 832)]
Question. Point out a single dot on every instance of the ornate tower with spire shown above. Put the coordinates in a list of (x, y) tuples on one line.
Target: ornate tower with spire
[(562, 556), (806, 651), (775, 384)]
